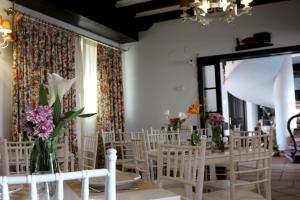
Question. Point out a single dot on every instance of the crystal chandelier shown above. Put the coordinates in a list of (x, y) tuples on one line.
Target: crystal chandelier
[(206, 11)]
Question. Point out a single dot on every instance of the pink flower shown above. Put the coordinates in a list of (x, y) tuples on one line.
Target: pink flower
[(39, 121), (215, 120)]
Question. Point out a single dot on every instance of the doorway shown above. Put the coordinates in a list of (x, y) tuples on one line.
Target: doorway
[(237, 112)]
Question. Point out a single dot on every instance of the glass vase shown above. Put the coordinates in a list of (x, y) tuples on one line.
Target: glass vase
[(195, 136), (217, 145), (43, 161)]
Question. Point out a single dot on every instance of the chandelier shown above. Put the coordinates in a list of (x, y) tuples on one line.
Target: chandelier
[(206, 11), (5, 30)]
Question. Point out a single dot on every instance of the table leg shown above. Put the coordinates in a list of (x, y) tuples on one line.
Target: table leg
[(212, 172), (72, 163)]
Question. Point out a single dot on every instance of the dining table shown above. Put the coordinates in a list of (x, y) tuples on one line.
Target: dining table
[(141, 190)]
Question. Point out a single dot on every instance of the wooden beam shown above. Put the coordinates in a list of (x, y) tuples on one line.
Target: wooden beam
[(149, 5), (78, 20)]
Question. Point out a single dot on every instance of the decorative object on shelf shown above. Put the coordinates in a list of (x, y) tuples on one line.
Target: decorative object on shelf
[(216, 121), (46, 122), (206, 11), (262, 39)]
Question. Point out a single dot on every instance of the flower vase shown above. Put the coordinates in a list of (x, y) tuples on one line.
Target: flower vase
[(195, 136), (217, 145), (43, 161)]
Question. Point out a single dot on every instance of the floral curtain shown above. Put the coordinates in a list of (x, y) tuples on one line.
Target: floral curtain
[(110, 93), (40, 48)]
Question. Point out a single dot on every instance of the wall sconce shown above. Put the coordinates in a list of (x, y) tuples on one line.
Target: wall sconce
[(5, 30)]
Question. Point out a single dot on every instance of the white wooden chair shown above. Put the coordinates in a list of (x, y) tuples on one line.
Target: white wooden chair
[(171, 137), (183, 165), (121, 144), (246, 148), (64, 156), (59, 178), (16, 157), (89, 151), (139, 163)]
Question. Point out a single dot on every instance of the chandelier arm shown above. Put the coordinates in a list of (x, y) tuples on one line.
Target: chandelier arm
[(222, 10), (4, 45), (243, 12), (3, 41)]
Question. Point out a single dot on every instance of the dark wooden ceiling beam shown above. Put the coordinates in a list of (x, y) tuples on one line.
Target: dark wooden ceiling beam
[(145, 22), (77, 19), (149, 5)]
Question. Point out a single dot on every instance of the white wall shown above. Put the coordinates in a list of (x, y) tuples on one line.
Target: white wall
[(159, 61), (284, 101), (252, 115), (5, 80)]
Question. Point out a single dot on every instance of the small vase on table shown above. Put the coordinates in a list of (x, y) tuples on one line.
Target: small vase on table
[(217, 145)]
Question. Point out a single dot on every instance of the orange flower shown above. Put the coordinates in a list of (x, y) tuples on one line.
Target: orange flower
[(194, 109)]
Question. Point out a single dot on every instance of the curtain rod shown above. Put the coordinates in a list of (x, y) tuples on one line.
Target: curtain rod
[(68, 30)]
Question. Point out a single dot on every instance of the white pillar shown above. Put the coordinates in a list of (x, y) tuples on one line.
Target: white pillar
[(284, 101)]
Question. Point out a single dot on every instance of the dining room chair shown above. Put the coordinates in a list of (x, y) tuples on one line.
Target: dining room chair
[(59, 178), (171, 137), (140, 162), (181, 168), (63, 154), (15, 157), (118, 140), (89, 151), (248, 149)]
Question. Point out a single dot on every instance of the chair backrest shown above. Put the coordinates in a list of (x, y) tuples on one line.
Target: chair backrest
[(63, 150), (185, 135), (155, 131), (237, 127), (248, 147), (184, 164), (139, 135), (171, 137), (153, 140), (108, 136), (59, 178), (89, 151), (16, 157), (140, 155)]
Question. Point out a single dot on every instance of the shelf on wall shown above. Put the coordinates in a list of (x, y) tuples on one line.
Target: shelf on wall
[(252, 46)]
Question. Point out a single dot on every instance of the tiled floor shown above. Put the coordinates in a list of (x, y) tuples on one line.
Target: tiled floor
[(285, 179)]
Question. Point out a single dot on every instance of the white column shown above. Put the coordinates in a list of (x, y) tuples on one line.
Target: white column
[(284, 101)]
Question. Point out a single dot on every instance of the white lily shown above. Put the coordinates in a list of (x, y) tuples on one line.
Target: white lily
[(182, 115), (58, 86)]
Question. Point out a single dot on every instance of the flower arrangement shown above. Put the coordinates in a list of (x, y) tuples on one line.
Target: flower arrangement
[(45, 123), (175, 122), (216, 121)]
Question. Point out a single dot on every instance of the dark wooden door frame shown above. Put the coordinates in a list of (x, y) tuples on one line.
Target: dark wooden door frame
[(217, 59)]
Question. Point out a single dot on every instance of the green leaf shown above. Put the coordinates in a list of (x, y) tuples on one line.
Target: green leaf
[(67, 118), (43, 100), (33, 159), (87, 115), (57, 110)]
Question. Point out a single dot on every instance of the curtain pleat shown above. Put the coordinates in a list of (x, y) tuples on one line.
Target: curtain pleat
[(40, 48), (110, 94)]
